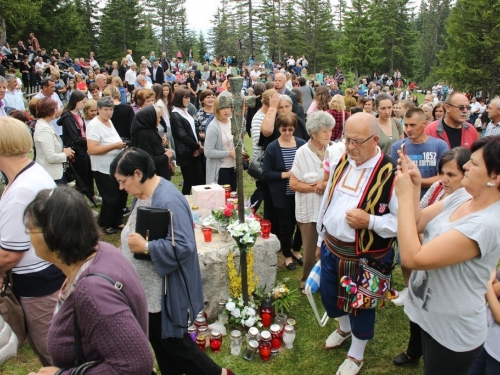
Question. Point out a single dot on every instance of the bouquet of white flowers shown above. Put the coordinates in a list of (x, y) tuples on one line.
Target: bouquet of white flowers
[(245, 234), (238, 313)]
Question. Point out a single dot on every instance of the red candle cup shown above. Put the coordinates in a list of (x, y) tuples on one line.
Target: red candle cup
[(275, 339), (265, 226), (207, 234), (201, 341), (215, 341), (265, 351)]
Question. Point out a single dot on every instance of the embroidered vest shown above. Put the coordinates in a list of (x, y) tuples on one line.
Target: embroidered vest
[(374, 200)]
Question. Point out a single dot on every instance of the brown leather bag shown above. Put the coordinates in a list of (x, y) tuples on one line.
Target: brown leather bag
[(11, 310)]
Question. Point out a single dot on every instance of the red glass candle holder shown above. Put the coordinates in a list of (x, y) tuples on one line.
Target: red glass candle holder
[(207, 234), (265, 226), (215, 341), (265, 351), (275, 339)]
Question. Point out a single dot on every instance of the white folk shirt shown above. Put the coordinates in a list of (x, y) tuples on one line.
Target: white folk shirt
[(346, 197)]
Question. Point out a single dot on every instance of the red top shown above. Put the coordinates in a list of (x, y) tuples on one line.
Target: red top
[(469, 133)]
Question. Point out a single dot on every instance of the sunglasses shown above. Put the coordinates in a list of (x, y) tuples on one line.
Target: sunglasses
[(461, 107)]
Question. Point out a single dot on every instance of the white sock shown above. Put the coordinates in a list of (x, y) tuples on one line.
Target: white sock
[(357, 349), (344, 323)]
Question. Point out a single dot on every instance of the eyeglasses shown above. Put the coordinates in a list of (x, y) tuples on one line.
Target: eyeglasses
[(461, 107), (356, 143), (123, 181), (29, 231)]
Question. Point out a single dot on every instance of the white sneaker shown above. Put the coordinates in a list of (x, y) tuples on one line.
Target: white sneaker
[(95, 213), (349, 367), (97, 199), (400, 301)]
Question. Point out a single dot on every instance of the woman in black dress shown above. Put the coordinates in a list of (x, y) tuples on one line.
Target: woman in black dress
[(188, 148)]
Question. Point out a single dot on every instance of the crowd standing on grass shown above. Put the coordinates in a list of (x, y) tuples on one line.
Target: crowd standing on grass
[(361, 178)]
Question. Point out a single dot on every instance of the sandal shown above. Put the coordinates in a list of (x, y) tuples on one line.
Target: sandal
[(110, 230)]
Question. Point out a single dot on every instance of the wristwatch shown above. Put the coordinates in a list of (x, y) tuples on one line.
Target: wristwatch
[(146, 248)]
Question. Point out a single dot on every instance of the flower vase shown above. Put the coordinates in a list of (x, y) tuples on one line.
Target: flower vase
[(224, 233)]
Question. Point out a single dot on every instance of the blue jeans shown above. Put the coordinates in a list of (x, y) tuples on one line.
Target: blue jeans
[(485, 364)]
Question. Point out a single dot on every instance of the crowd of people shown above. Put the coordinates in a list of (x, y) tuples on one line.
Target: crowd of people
[(358, 177)]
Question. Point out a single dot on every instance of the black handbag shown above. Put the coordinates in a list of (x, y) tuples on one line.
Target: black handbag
[(255, 167)]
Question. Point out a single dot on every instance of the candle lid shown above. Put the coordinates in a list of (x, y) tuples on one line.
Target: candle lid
[(222, 304), (191, 329), (235, 334), (201, 319), (253, 344), (265, 335), (215, 334), (195, 207), (289, 328), (275, 328), (203, 329), (290, 321), (253, 331)]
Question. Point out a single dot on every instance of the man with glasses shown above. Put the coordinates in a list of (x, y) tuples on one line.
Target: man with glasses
[(493, 128), (357, 219), (452, 127)]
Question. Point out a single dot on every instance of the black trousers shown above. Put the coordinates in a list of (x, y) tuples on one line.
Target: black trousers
[(113, 200), (440, 360), (192, 175), (177, 356), (82, 167), (227, 176), (287, 223)]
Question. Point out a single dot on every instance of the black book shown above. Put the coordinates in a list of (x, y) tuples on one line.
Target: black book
[(152, 224)]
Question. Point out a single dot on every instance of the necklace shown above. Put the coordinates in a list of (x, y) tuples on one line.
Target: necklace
[(319, 153)]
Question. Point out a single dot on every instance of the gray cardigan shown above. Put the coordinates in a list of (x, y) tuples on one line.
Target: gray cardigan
[(166, 195), (214, 151)]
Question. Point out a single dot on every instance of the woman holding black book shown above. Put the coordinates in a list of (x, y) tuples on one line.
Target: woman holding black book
[(170, 310)]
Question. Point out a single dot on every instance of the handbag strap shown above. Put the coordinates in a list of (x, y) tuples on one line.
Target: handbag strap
[(76, 330)]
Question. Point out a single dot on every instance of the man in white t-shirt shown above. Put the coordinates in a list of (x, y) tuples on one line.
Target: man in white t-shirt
[(48, 91), (36, 282)]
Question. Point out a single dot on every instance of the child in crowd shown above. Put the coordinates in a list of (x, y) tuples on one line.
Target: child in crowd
[(488, 361)]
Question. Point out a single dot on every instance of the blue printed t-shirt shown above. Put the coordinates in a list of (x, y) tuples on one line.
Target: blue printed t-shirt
[(425, 155)]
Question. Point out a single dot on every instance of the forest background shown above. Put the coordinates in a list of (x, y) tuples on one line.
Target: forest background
[(457, 42)]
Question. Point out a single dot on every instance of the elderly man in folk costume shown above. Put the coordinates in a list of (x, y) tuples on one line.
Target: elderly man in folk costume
[(357, 224)]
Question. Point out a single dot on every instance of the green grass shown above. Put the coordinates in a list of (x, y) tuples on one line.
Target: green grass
[(307, 356)]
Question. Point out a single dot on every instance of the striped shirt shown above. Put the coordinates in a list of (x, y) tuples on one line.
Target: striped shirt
[(288, 157)]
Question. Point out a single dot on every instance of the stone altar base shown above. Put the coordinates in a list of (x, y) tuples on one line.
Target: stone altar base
[(214, 269)]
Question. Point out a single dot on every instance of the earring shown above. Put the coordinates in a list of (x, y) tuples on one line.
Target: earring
[(490, 184)]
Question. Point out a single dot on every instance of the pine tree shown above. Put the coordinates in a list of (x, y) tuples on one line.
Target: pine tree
[(165, 15), (356, 47), (119, 29), (221, 35), (316, 31), (390, 22), (471, 58), (185, 38), (87, 10), (432, 18), (201, 48)]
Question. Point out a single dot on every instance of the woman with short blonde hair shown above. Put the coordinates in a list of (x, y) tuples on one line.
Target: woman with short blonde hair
[(219, 148)]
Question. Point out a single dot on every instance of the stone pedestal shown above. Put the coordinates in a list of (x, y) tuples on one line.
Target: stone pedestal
[(214, 269)]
